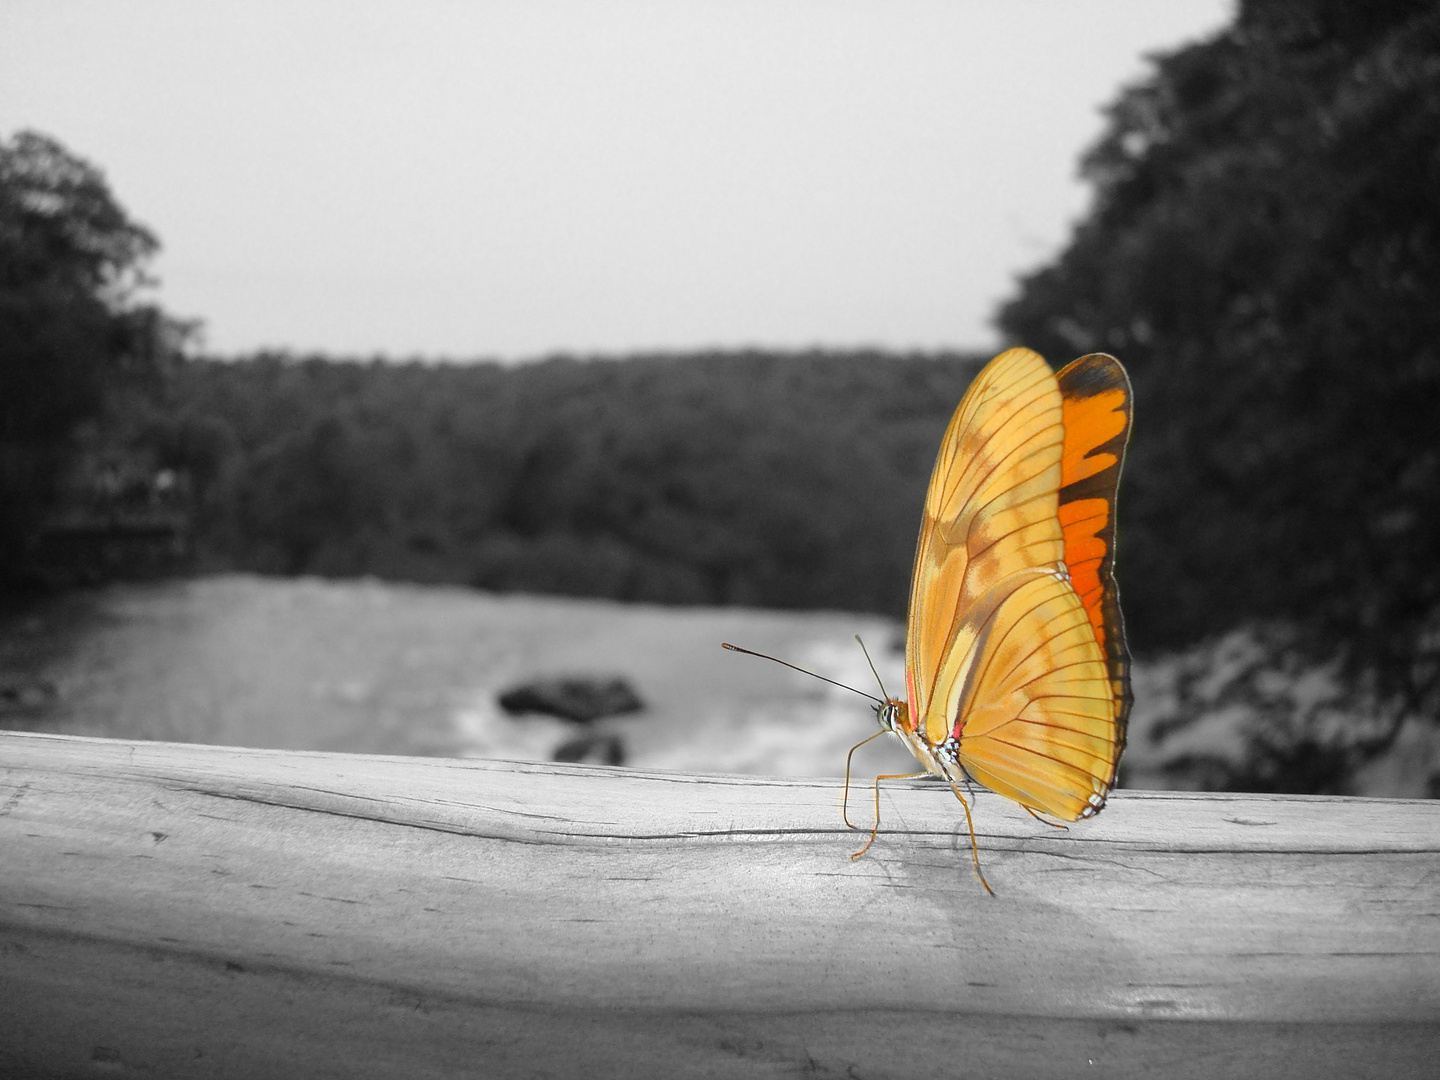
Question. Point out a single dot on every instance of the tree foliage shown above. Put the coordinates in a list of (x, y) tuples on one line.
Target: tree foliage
[(1263, 252), (754, 478), (73, 326)]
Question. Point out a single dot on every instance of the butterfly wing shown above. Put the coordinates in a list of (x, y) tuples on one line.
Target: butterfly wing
[(990, 511), (1097, 411), (1038, 723), (1001, 653)]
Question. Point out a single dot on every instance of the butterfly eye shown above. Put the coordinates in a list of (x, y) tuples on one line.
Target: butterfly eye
[(888, 714)]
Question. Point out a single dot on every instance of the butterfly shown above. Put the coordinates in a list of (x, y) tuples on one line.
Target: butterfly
[(1016, 671)]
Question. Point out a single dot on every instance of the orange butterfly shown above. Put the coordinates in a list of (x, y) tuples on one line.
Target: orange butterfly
[(1015, 662)]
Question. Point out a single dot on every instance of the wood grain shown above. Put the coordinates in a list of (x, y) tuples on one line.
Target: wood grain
[(189, 911)]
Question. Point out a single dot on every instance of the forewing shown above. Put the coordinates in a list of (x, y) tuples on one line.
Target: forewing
[(990, 512), (1097, 413), (1040, 724)]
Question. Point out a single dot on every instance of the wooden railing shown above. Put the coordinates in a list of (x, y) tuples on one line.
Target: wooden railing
[(189, 911)]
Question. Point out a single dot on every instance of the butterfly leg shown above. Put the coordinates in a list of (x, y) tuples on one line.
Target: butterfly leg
[(845, 798), (1044, 821), (974, 846), (875, 831)]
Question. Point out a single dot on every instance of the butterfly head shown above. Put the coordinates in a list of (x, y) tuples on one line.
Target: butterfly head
[(894, 715)]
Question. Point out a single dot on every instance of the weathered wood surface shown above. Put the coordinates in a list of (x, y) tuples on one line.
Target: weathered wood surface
[(190, 911)]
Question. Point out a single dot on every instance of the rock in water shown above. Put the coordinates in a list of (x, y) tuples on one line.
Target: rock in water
[(597, 749), (578, 698)]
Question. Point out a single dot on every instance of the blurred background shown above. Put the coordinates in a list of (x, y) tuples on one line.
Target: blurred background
[(500, 360)]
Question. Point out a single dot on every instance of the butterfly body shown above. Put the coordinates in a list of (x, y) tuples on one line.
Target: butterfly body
[(1017, 675)]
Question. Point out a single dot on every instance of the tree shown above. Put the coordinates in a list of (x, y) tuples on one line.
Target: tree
[(73, 325), (1263, 252)]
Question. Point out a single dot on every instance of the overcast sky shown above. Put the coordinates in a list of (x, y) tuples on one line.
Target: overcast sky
[(466, 178)]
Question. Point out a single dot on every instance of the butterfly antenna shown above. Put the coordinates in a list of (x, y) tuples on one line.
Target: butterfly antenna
[(803, 671), (879, 680)]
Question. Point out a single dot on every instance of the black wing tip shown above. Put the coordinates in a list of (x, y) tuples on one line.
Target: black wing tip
[(1093, 373)]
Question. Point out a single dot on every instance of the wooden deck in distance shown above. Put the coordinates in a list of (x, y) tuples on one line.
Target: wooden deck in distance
[(170, 910)]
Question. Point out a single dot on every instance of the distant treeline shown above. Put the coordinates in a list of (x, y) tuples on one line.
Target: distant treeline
[(726, 478)]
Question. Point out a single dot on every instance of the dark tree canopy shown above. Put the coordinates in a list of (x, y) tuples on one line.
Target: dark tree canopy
[(1263, 252), (723, 478), (72, 324)]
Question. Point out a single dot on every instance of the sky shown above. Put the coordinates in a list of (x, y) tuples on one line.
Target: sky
[(481, 178)]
